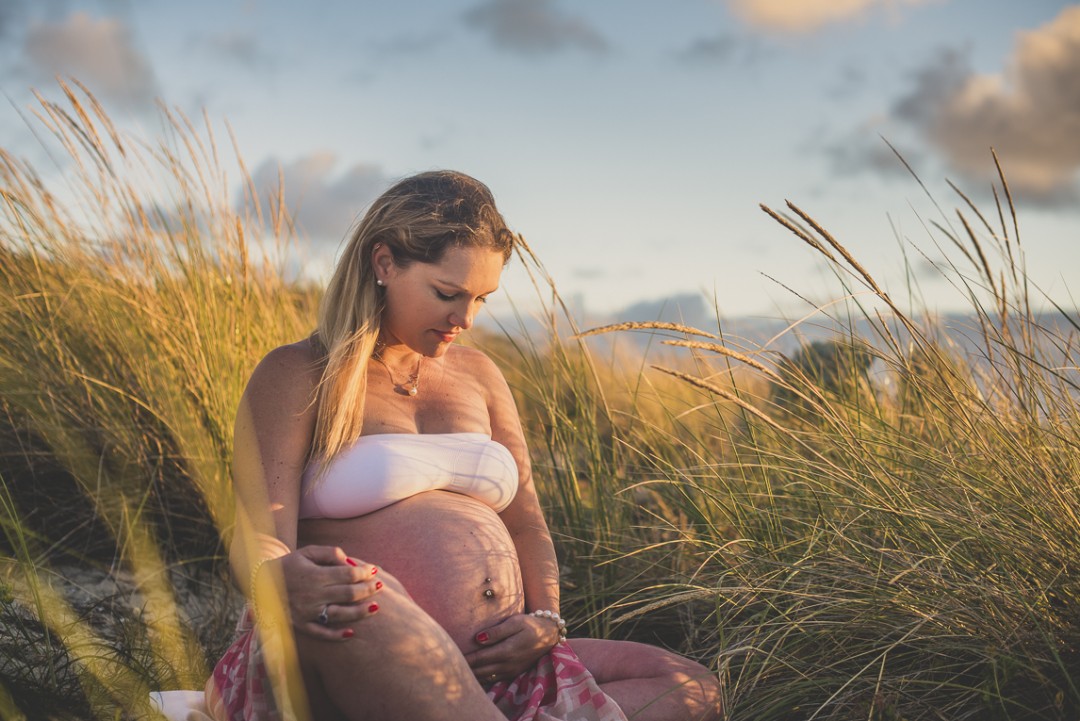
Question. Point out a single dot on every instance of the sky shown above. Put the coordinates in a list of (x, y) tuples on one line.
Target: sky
[(629, 142)]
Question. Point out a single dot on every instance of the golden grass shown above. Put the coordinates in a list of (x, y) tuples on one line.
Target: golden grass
[(883, 526)]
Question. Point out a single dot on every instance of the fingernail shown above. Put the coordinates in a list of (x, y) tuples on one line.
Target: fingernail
[(378, 585), (347, 633), (481, 637), (374, 570), (373, 608), (351, 562)]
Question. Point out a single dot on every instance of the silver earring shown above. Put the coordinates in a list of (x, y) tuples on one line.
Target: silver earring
[(379, 283)]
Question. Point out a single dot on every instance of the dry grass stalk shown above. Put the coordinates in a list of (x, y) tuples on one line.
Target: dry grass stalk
[(984, 264), (723, 393), (725, 351), (842, 250), (645, 325), (806, 237)]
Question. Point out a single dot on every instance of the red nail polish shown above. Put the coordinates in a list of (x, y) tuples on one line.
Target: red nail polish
[(481, 637), (374, 570), (373, 608), (378, 585), (347, 633), (351, 562)]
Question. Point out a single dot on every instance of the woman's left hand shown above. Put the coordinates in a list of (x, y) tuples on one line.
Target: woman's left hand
[(511, 647)]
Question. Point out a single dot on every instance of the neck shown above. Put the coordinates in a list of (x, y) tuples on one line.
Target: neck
[(396, 355)]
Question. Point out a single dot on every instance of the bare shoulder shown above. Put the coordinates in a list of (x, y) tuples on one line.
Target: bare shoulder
[(293, 363), (286, 379)]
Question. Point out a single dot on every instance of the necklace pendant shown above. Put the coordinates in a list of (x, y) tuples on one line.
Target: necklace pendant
[(412, 390)]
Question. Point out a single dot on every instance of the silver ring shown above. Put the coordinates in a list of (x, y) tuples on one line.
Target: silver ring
[(323, 619)]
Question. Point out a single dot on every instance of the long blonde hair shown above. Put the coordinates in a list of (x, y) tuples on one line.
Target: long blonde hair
[(417, 219)]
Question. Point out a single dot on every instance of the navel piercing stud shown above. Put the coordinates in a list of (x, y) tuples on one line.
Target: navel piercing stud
[(489, 593)]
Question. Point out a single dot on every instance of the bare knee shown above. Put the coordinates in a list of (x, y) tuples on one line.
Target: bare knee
[(659, 683), (703, 691)]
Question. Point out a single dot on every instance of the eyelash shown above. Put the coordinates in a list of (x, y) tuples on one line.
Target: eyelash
[(448, 298)]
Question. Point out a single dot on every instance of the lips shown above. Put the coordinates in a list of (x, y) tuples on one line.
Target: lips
[(446, 337)]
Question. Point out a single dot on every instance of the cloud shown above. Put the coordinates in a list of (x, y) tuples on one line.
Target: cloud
[(241, 48), (803, 16), (1030, 114), (411, 45), (533, 27), (712, 49), (9, 15), (721, 49), (323, 205), (850, 82), (100, 53), (864, 151)]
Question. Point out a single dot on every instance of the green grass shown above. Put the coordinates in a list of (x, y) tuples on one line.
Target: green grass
[(882, 526)]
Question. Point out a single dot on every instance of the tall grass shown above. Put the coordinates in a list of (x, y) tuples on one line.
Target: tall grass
[(882, 525), (131, 312), (905, 538)]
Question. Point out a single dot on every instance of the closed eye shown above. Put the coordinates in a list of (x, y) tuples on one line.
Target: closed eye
[(444, 297)]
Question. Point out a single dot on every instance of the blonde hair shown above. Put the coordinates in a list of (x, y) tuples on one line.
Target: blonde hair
[(417, 219)]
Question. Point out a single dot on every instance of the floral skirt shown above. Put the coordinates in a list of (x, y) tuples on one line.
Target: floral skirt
[(557, 688)]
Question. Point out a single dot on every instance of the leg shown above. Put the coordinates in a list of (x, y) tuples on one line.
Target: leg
[(400, 664), (649, 683)]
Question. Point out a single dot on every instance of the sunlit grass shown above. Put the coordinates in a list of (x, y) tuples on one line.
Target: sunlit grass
[(882, 525)]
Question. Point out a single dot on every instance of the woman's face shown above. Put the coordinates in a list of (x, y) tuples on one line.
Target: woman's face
[(428, 304)]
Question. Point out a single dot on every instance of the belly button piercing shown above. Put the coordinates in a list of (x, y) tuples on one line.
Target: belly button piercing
[(489, 593)]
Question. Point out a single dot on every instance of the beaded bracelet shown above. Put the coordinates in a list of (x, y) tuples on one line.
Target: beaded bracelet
[(556, 618), (252, 590)]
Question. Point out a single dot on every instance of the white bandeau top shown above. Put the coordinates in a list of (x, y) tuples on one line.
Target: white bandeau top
[(385, 468)]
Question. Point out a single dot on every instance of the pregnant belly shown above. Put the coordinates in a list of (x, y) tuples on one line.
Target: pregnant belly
[(452, 553)]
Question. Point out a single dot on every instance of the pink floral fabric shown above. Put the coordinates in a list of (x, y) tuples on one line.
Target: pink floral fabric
[(240, 688), (557, 688)]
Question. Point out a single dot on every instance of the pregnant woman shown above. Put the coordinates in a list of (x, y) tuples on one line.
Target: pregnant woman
[(383, 482)]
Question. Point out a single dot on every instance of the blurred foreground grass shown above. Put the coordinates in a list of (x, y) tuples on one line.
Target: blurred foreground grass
[(879, 525)]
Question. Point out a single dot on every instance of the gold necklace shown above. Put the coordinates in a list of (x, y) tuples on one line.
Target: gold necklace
[(410, 387)]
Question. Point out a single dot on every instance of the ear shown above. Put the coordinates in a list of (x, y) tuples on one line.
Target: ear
[(383, 261)]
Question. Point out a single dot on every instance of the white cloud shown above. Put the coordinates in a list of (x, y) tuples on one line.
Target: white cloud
[(100, 53), (533, 27), (323, 204), (1030, 114), (801, 16)]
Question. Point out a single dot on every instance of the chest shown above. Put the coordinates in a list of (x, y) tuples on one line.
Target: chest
[(447, 400)]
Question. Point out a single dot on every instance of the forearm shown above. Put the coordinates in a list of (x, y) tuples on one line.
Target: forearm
[(539, 567), (249, 547)]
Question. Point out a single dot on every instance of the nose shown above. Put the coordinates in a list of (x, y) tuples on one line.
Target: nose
[(462, 317)]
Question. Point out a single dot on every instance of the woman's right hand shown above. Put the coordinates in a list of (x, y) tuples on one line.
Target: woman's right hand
[(323, 577)]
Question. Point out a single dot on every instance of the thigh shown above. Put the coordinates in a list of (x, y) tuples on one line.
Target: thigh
[(399, 666)]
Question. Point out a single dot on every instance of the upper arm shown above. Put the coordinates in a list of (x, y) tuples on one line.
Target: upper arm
[(275, 426), (502, 414), (524, 510)]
